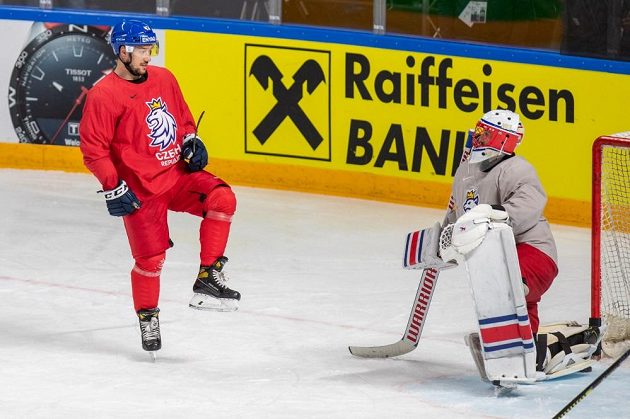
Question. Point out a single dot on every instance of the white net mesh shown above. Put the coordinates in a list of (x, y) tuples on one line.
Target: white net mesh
[(615, 241)]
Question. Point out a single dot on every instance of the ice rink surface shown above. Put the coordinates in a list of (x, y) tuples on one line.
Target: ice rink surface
[(317, 274)]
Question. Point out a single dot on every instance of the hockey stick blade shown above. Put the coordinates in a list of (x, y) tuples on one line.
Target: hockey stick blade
[(386, 351), (413, 331)]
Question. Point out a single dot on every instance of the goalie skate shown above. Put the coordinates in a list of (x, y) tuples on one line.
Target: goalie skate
[(566, 347)]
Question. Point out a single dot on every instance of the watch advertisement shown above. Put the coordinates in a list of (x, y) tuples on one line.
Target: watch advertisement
[(47, 70)]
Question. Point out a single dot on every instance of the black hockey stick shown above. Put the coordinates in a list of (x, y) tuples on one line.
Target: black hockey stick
[(192, 153), (592, 386), (199, 122), (417, 317)]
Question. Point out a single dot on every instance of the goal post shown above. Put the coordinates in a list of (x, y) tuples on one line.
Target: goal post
[(610, 241)]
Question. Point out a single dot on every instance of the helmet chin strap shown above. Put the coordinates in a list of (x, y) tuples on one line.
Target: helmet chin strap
[(128, 67)]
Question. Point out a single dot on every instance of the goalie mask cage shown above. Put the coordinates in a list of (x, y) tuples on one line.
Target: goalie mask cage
[(610, 265)]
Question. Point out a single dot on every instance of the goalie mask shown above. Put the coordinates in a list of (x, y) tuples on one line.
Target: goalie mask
[(497, 133)]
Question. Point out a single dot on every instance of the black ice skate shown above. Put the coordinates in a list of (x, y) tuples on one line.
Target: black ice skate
[(150, 329), (210, 291)]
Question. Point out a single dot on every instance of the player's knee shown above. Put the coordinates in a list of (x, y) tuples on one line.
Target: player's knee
[(220, 204), (150, 265)]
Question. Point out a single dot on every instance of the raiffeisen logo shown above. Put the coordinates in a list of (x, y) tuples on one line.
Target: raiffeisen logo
[(287, 102), (409, 113), (428, 83)]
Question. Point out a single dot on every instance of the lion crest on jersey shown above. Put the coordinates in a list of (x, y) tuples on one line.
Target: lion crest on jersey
[(161, 123), (472, 200)]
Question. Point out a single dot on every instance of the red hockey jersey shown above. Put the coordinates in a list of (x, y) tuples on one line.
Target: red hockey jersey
[(134, 131)]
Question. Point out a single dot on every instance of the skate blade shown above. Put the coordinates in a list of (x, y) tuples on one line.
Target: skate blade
[(502, 389), (208, 303), (153, 355)]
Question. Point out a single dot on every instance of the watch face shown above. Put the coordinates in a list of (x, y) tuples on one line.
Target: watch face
[(50, 79)]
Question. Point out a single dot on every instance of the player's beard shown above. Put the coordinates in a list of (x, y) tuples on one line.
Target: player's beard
[(135, 70)]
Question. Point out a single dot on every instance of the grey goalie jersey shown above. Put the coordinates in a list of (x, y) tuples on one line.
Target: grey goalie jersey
[(514, 184)]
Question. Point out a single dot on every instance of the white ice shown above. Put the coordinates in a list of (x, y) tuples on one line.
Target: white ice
[(317, 274)]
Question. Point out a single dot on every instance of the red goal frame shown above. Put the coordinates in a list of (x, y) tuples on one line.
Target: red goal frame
[(596, 269)]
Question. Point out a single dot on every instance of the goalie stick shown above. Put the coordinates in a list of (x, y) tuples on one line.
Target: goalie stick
[(417, 317), (413, 331)]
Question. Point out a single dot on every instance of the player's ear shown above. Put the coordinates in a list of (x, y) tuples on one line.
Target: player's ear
[(122, 52)]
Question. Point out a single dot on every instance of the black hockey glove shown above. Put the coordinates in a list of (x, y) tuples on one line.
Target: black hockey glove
[(121, 200), (194, 153)]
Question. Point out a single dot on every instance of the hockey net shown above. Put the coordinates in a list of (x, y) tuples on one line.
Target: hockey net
[(610, 269)]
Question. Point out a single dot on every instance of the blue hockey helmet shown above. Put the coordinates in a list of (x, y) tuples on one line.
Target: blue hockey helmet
[(132, 33)]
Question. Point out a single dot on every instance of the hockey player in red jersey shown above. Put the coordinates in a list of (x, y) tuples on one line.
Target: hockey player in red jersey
[(139, 139)]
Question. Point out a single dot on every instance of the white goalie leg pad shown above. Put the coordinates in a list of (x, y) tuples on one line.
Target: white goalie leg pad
[(507, 344)]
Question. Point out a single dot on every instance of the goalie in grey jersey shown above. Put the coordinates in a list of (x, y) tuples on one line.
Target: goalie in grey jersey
[(496, 227), (496, 176)]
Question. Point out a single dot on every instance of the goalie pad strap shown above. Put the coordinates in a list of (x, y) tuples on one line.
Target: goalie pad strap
[(541, 351), (566, 347), (564, 343)]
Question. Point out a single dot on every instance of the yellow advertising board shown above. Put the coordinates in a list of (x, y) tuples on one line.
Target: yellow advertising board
[(384, 123), (378, 123)]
